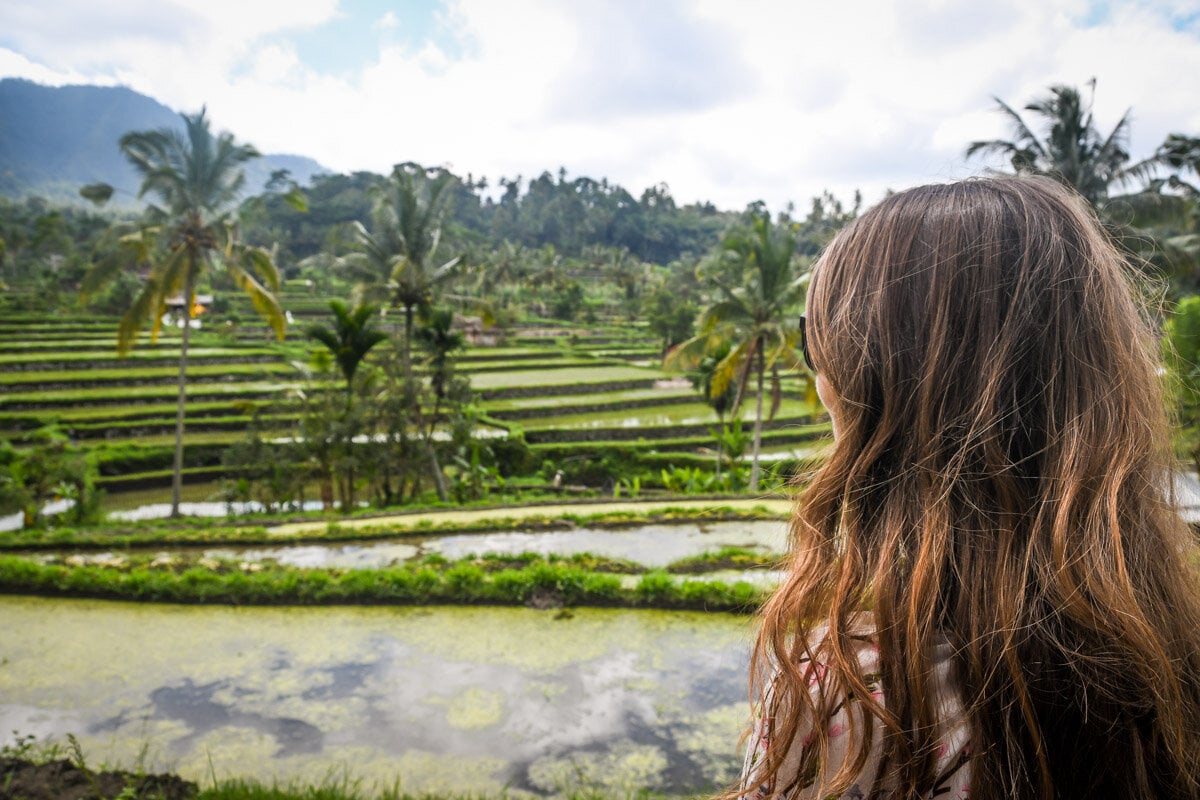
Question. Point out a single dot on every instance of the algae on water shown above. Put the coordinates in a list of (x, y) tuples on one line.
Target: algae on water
[(454, 699)]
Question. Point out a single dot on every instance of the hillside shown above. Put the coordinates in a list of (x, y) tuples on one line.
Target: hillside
[(54, 140)]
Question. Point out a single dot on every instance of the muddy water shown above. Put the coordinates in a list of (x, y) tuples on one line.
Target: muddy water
[(439, 699)]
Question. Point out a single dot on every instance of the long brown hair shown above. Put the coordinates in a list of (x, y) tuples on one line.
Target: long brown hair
[(1000, 482)]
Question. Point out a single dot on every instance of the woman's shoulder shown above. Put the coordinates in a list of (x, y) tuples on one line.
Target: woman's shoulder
[(845, 713)]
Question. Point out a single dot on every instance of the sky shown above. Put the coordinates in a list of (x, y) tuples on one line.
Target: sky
[(727, 101)]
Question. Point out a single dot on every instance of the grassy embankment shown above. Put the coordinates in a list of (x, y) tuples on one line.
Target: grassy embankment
[(52, 770), (143, 575), (581, 580)]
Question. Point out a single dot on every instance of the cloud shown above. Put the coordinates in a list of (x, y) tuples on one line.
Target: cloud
[(645, 59), (731, 103)]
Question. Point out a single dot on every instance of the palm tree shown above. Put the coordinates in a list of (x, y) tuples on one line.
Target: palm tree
[(349, 340), (1127, 195), (752, 319), (394, 263), (1073, 149), (1181, 154), (195, 177), (702, 379), (439, 340)]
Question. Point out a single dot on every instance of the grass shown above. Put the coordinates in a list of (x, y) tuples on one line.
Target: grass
[(149, 411), (82, 352), (134, 374), (645, 442), (616, 399), (525, 517), (723, 559), (695, 412), (102, 394), (194, 437), (598, 374), (536, 581), (140, 784)]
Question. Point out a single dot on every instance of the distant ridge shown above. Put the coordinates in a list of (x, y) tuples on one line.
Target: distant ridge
[(55, 139)]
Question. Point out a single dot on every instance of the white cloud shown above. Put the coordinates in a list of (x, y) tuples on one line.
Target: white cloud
[(761, 99)]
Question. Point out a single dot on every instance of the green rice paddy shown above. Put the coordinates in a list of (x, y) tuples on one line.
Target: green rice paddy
[(598, 374), (66, 372), (691, 413)]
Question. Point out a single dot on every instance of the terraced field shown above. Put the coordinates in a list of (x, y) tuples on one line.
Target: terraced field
[(575, 393)]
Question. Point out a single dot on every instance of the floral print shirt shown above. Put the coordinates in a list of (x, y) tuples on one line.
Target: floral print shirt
[(953, 752)]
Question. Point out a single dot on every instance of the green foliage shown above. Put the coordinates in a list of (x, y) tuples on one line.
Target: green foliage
[(512, 454), (760, 286), (1064, 142), (263, 471), (438, 340), (567, 300), (1182, 346), (191, 229), (350, 339), (52, 468), (393, 262), (470, 478), (630, 486), (530, 581), (196, 177), (670, 317), (687, 480), (727, 558)]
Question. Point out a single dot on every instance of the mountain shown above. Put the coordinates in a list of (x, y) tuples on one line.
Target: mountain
[(53, 140)]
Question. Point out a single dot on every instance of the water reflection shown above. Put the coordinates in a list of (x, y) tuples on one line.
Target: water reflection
[(205, 509), (444, 699), (648, 545)]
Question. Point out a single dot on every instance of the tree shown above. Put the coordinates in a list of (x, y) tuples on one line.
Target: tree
[(1072, 150), (670, 314), (196, 177), (1126, 194), (752, 318), (349, 340), (52, 467), (702, 379), (439, 341), (1181, 154), (394, 262), (1182, 354)]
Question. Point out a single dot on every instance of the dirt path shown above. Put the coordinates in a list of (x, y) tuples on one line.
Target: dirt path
[(408, 521)]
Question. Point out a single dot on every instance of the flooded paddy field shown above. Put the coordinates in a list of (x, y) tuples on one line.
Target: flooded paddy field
[(432, 699), (651, 546)]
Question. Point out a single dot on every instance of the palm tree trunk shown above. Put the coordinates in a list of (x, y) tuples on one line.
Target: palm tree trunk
[(720, 445), (758, 416), (177, 475), (408, 330), (348, 502), (439, 480)]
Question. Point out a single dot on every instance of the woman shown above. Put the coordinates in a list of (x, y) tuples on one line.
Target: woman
[(988, 591)]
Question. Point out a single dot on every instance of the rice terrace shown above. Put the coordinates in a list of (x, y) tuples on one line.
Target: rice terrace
[(401, 484)]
